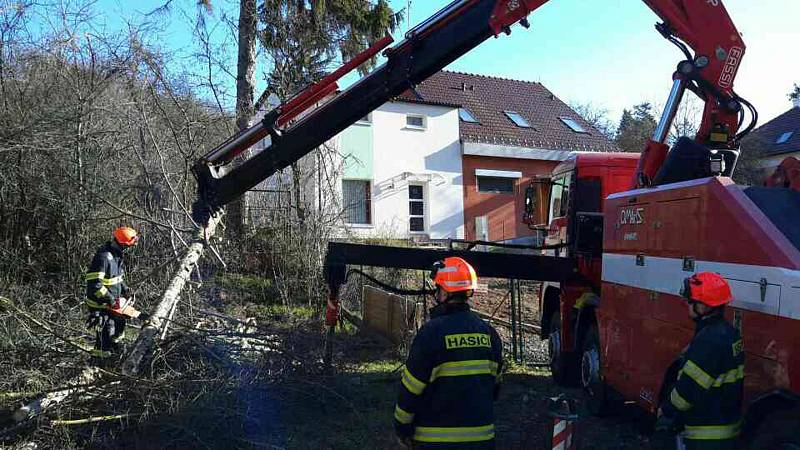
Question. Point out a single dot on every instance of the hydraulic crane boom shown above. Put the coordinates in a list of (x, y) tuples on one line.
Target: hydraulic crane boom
[(462, 25)]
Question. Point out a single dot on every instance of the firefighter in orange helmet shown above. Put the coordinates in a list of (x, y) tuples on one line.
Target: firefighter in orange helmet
[(106, 292), (452, 372), (706, 399)]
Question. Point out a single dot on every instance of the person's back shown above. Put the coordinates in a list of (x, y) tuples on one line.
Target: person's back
[(450, 380), (706, 400)]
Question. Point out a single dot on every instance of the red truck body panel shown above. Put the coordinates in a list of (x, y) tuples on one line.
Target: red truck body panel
[(653, 239)]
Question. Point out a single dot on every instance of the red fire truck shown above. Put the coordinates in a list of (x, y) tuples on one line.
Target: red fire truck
[(622, 325)]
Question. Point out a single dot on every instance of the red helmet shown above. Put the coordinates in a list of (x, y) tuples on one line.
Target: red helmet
[(708, 288), (126, 236), (454, 275)]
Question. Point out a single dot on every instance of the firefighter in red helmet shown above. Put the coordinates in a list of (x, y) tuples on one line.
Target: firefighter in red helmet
[(706, 399), (452, 372), (106, 292)]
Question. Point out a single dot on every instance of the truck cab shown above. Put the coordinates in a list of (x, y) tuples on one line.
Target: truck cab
[(567, 208)]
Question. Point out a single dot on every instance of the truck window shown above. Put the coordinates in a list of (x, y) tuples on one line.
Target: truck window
[(559, 196)]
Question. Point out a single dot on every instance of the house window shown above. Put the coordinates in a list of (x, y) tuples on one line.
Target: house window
[(496, 181), (416, 208), (357, 199), (785, 137), (573, 125), (517, 119), (366, 120), (466, 115), (495, 185), (416, 122)]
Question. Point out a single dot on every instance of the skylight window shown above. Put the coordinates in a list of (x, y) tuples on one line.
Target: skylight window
[(785, 137), (517, 119), (466, 115), (573, 125)]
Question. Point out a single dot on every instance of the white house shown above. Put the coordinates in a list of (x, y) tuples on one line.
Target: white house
[(402, 175)]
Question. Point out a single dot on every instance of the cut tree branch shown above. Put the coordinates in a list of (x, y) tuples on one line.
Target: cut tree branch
[(148, 335)]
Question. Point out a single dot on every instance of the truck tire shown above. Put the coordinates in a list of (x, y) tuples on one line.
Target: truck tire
[(778, 431), (591, 377), (561, 363)]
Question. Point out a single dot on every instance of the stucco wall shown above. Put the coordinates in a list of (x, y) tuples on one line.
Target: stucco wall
[(403, 156), (504, 211)]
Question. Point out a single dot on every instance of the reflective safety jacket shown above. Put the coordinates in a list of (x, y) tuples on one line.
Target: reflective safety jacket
[(707, 397), (450, 381), (104, 280)]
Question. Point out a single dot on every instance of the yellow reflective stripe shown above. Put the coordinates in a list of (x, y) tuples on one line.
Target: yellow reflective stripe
[(101, 292), (461, 368), (678, 401), (731, 376), (100, 353), (697, 374), (112, 281), (454, 434), (402, 415), (412, 383), (712, 432), (94, 276)]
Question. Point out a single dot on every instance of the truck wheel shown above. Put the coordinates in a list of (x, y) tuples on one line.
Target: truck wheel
[(560, 361), (591, 376), (778, 431)]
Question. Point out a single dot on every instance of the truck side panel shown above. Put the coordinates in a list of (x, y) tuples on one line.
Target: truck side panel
[(663, 235)]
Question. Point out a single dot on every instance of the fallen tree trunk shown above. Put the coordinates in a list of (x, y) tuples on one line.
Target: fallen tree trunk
[(88, 376), (147, 336)]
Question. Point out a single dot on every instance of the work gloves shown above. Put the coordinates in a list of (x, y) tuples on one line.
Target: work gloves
[(669, 424), (403, 433)]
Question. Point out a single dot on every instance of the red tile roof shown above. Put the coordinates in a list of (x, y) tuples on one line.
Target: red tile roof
[(769, 133), (488, 97)]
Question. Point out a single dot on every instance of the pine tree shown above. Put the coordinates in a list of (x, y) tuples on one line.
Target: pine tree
[(636, 127)]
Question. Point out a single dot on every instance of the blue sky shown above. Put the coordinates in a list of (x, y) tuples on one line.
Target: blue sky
[(603, 52)]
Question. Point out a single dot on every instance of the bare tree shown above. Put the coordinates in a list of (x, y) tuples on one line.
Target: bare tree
[(597, 116)]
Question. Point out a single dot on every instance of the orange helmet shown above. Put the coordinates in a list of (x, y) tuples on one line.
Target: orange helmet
[(708, 288), (454, 275), (126, 236)]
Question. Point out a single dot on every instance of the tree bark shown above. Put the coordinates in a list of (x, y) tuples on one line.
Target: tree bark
[(147, 336), (245, 88)]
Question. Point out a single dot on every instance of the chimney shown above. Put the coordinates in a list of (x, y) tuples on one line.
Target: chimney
[(796, 101)]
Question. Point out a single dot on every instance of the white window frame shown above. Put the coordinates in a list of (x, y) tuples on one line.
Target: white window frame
[(424, 201), (417, 127), (369, 206)]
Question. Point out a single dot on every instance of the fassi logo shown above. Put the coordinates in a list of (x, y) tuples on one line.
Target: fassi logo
[(731, 66)]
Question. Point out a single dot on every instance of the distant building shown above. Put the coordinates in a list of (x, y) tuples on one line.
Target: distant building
[(779, 138), (452, 158)]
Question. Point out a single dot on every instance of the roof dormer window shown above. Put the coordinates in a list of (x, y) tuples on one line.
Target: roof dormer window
[(785, 137), (517, 119)]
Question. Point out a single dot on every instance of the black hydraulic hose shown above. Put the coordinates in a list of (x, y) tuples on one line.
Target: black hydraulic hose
[(753, 113), (387, 287)]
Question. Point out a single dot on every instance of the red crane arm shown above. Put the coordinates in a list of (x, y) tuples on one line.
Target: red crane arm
[(297, 127)]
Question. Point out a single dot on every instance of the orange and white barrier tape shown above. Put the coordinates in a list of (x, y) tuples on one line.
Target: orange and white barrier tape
[(562, 434)]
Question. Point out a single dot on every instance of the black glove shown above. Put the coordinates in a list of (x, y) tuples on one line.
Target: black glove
[(668, 424), (93, 320), (403, 431)]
